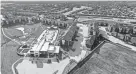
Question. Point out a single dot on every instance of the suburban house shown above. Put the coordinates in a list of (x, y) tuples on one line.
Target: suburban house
[(67, 40), (46, 50), (44, 46), (93, 32)]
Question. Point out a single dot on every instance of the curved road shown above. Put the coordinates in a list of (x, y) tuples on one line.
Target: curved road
[(116, 40)]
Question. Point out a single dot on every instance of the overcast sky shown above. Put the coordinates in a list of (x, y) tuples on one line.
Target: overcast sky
[(67, 0)]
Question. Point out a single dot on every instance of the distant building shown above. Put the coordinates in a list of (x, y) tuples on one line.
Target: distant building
[(125, 32), (93, 29), (93, 32), (25, 13), (50, 22), (45, 50)]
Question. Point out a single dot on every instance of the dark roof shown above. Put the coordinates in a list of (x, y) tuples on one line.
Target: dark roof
[(91, 40)]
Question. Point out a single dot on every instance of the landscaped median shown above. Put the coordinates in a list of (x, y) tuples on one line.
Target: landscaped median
[(83, 60), (9, 56), (80, 48)]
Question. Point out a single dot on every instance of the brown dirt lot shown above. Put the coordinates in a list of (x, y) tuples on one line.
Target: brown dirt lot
[(77, 46), (110, 60), (12, 31)]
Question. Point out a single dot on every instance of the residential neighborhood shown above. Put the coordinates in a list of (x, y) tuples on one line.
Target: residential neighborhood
[(68, 37)]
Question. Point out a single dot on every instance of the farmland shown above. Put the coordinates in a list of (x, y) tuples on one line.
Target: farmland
[(111, 59), (70, 49), (8, 49), (9, 56)]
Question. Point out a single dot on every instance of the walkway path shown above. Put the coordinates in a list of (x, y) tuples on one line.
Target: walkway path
[(83, 29), (75, 9)]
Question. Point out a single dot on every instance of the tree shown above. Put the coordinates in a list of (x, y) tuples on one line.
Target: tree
[(44, 22), (4, 24), (111, 30), (106, 24), (54, 23)]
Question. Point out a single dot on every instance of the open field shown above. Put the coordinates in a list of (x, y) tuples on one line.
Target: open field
[(110, 60), (8, 57)]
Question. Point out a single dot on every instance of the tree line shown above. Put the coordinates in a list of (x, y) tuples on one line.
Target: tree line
[(8, 22)]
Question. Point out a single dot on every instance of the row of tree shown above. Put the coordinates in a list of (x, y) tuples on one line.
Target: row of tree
[(102, 23), (18, 21), (123, 30)]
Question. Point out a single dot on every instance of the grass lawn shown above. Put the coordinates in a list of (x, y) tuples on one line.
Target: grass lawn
[(9, 48), (77, 46), (12, 32), (8, 57), (69, 66), (110, 60), (32, 30), (15, 65), (38, 31)]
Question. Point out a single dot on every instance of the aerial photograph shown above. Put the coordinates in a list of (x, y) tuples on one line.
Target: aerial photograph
[(68, 37)]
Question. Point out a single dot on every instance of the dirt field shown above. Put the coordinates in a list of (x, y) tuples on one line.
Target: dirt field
[(110, 60)]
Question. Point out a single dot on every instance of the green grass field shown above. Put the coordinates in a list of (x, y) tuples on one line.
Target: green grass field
[(77, 46), (110, 60)]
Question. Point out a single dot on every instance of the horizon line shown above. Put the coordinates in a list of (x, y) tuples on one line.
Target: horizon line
[(67, 0)]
